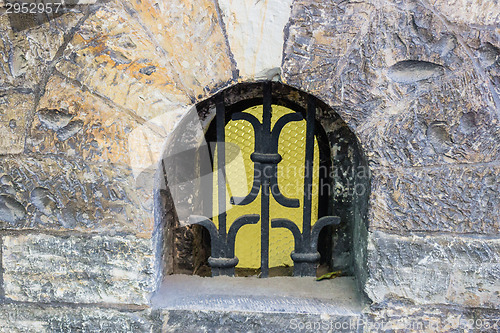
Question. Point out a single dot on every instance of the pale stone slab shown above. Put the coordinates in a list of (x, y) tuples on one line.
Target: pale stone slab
[(77, 269), (276, 294), (257, 44)]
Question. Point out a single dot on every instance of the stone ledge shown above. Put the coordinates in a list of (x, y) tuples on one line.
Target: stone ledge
[(279, 304), (276, 294)]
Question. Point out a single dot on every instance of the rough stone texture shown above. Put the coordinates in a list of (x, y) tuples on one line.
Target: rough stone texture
[(350, 47), (458, 199), (75, 195), (109, 59), (443, 269), (402, 316), (74, 123), (257, 45), (14, 110), (225, 321), (28, 46), (418, 82), (24, 318), (77, 269), (188, 35), (475, 12)]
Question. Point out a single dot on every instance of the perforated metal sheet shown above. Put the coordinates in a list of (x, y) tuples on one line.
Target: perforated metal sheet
[(239, 178)]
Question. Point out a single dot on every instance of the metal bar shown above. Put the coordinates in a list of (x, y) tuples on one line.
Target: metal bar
[(264, 229), (308, 172), (264, 220), (221, 165), (266, 118)]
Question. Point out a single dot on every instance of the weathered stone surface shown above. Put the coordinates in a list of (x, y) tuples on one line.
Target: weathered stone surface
[(72, 122), (190, 37), (478, 12), (459, 199), (24, 318), (350, 47), (86, 269), (225, 321), (257, 45), (26, 54), (11, 210), (400, 316), (57, 193), (434, 269), (107, 58), (15, 108)]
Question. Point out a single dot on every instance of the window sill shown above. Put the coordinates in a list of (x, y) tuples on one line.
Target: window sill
[(250, 294)]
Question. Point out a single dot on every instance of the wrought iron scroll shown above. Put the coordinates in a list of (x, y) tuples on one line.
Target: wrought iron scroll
[(266, 159)]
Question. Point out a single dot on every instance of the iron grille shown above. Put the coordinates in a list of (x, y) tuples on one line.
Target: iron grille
[(265, 158)]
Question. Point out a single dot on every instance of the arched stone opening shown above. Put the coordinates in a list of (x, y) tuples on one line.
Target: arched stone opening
[(347, 184)]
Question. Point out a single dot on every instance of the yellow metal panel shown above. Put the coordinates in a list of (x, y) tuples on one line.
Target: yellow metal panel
[(290, 180)]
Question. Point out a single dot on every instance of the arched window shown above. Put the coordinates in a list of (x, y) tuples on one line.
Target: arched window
[(267, 190)]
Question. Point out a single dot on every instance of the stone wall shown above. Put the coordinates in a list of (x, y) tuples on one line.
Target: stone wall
[(88, 98)]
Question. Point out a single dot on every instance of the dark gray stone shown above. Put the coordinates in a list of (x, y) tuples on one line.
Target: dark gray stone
[(410, 71), (402, 316), (54, 119), (43, 200), (69, 130), (147, 70), (438, 136), (344, 47), (11, 210), (488, 54)]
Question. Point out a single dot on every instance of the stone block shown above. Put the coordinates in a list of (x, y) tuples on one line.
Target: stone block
[(445, 269), (77, 269), (15, 108), (400, 316), (227, 321), (476, 12), (28, 44), (460, 199), (73, 123), (189, 34), (124, 67), (59, 194), (36, 318)]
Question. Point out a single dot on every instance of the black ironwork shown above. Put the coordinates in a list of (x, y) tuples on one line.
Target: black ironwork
[(266, 159)]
